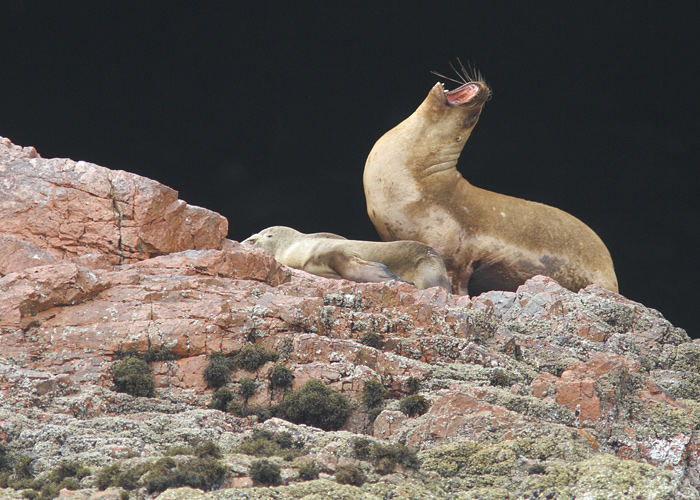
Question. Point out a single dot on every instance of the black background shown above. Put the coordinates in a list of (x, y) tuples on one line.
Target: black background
[(265, 112)]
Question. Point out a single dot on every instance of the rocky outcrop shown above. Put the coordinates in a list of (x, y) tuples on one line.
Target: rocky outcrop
[(68, 209), (540, 393)]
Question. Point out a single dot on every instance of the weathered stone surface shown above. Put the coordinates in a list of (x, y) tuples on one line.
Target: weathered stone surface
[(540, 393), (73, 208)]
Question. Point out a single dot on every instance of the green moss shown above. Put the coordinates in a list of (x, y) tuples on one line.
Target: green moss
[(660, 420), (687, 358), (414, 405), (316, 405), (265, 472), (350, 474), (281, 377), (133, 376), (561, 469), (253, 356), (372, 339), (218, 370), (373, 394)]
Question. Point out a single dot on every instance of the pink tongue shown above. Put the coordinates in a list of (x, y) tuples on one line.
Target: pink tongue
[(463, 94)]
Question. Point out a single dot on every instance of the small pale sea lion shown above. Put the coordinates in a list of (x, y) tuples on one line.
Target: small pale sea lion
[(489, 241), (332, 256)]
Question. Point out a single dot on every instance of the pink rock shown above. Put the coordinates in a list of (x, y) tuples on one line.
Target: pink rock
[(74, 208)]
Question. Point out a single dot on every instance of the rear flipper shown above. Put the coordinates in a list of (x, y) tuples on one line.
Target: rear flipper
[(356, 269)]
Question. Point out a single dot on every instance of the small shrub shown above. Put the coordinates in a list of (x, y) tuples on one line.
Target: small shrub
[(133, 376), (67, 475), (220, 399), (218, 370), (265, 473), (113, 475), (71, 469), (50, 490), (281, 377), (149, 356), (536, 469), (5, 458), (205, 473), (373, 394), (23, 467), (316, 405), (350, 474), (152, 355), (414, 405), (308, 471), (202, 473), (362, 448), (237, 408), (178, 450), (266, 444), (262, 413), (385, 457), (253, 356), (247, 388), (202, 450), (500, 378), (208, 449), (31, 494), (413, 385), (372, 339)]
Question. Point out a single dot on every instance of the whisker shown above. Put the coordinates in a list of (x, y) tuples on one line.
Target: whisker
[(461, 77), (446, 77)]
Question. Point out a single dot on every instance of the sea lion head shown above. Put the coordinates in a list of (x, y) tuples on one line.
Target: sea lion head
[(272, 239), (453, 113)]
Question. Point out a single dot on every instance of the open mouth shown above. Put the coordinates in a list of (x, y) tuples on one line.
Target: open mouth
[(463, 94)]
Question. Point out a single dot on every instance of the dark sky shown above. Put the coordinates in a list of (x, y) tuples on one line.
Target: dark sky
[(266, 114)]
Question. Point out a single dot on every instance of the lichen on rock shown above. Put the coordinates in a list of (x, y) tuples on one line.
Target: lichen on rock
[(538, 393)]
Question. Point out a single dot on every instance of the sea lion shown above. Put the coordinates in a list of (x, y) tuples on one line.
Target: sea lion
[(489, 241), (332, 256)]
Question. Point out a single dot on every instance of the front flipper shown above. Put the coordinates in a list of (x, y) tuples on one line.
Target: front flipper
[(353, 268)]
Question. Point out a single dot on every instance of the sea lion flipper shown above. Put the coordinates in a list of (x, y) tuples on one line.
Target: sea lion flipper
[(356, 269)]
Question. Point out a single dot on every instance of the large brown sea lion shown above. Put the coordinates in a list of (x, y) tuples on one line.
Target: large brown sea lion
[(488, 241), (332, 256)]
